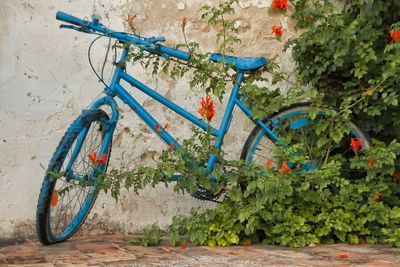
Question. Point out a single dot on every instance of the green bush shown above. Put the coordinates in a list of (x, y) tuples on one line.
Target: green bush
[(351, 62), (345, 53)]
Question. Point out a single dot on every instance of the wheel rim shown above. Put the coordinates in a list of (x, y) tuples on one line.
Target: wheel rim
[(70, 201), (296, 121)]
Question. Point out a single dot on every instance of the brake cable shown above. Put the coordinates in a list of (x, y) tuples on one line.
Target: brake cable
[(100, 77)]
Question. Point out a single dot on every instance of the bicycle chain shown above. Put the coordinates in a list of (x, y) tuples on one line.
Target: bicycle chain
[(207, 195)]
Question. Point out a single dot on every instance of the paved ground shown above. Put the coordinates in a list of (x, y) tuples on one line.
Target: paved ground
[(113, 250)]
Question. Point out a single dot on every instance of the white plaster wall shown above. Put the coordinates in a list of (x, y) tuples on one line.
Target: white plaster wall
[(45, 82)]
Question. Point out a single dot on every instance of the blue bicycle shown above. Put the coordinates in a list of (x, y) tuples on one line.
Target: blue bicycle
[(89, 138)]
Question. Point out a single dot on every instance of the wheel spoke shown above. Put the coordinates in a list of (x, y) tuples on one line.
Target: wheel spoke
[(306, 135), (73, 196)]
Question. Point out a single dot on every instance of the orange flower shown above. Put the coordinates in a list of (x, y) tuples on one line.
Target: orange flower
[(355, 144), (344, 256), (284, 168), (377, 197), (277, 30), (268, 164), (94, 160), (165, 127), (396, 176), (171, 147), (371, 162), (395, 36), (102, 159), (157, 127), (183, 24), (207, 108), (54, 198), (93, 157), (280, 4), (184, 246)]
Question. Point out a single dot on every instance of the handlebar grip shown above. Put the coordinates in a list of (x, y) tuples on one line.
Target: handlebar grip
[(175, 53), (69, 19)]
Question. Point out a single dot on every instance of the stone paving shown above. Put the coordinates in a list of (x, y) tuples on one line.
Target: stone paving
[(113, 250)]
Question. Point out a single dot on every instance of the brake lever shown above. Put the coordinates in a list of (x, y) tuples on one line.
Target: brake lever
[(84, 28), (63, 26)]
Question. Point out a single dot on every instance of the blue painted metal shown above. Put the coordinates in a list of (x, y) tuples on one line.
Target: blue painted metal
[(69, 19), (296, 124), (299, 123), (110, 124), (114, 89), (226, 119), (240, 63), (145, 43), (75, 153), (80, 216), (249, 114), (109, 131), (144, 115), (108, 101), (152, 45), (254, 147), (55, 164), (168, 103)]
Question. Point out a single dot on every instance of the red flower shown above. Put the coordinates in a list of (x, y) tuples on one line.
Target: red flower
[(344, 256), (94, 160), (355, 144), (171, 147), (102, 159), (277, 30), (54, 198), (396, 176), (377, 197), (268, 164), (183, 24), (207, 108), (280, 4), (284, 168), (93, 157), (395, 36), (157, 127), (184, 246), (371, 162)]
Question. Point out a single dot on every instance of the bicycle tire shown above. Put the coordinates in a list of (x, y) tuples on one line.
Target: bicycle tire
[(286, 113), (45, 233)]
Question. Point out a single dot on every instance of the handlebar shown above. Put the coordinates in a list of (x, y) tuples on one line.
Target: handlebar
[(70, 19), (148, 44)]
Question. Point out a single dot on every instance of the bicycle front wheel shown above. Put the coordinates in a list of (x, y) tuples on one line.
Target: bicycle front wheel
[(295, 126), (69, 187)]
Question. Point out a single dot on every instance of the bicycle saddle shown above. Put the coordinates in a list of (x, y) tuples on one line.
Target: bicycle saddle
[(240, 63)]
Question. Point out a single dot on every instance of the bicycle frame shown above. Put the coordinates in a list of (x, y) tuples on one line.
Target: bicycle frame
[(115, 89)]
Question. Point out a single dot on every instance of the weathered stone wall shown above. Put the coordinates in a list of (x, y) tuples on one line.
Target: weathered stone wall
[(45, 82)]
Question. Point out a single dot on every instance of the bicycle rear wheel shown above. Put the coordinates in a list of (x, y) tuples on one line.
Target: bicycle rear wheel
[(293, 123), (69, 187)]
